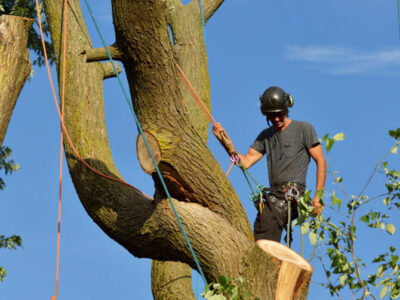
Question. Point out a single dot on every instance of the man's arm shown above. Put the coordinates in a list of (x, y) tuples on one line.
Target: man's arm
[(251, 157), (318, 156)]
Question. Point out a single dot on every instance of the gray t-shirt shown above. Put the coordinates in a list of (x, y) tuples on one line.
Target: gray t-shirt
[(287, 151)]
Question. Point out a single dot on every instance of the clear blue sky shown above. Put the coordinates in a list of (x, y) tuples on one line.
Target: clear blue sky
[(340, 60)]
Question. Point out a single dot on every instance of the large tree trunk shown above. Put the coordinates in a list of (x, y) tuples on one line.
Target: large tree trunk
[(15, 66), (209, 208)]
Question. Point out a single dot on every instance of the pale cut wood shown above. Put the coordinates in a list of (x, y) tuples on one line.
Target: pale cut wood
[(291, 278), (143, 154)]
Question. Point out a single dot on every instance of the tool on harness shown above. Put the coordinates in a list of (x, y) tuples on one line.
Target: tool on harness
[(280, 200), (257, 197), (292, 194)]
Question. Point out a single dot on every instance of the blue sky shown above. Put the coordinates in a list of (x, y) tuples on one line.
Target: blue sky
[(340, 60)]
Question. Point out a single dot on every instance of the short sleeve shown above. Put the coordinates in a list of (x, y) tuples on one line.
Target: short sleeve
[(310, 136), (259, 143)]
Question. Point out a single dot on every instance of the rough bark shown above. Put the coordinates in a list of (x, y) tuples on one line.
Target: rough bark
[(15, 66), (171, 280), (209, 208)]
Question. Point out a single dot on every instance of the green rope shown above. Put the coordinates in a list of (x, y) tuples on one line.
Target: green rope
[(247, 179), (146, 143), (255, 181)]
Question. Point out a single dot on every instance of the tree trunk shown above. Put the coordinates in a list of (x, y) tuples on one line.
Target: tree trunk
[(171, 280), (209, 208), (15, 66)]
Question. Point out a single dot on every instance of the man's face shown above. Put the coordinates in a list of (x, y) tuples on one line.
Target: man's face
[(277, 119)]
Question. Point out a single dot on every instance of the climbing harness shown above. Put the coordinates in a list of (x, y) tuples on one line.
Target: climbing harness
[(281, 197)]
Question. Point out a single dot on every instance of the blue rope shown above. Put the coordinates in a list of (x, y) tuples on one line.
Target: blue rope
[(147, 145), (398, 14), (202, 16)]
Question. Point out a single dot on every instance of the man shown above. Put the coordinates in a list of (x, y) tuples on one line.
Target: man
[(288, 146)]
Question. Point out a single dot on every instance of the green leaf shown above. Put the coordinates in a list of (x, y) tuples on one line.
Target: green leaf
[(394, 149), (339, 179), (224, 280), (390, 228), (313, 238), (395, 133), (383, 292), (304, 228), (343, 279), (235, 293), (365, 218), (329, 144), (339, 136), (325, 137), (335, 200), (3, 273)]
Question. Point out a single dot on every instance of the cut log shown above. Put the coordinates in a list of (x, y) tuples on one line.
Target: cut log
[(143, 154), (294, 271)]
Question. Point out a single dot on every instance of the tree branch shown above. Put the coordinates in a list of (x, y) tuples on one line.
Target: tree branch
[(14, 65), (146, 228), (109, 70), (98, 54), (152, 74), (210, 7), (171, 281)]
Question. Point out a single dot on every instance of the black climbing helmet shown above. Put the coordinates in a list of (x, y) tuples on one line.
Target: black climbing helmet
[(275, 100)]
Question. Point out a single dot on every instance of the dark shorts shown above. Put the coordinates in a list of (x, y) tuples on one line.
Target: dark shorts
[(273, 220)]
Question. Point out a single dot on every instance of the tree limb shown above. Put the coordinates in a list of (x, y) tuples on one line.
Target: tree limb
[(210, 7), (171, 281), (109, 70), (150, 65), (14, 65), (98, 54)]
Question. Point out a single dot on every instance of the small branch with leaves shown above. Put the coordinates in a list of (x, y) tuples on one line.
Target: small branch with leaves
[(336, 237)]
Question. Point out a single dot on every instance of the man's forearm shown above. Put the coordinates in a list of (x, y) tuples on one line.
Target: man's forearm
[(321, 175)]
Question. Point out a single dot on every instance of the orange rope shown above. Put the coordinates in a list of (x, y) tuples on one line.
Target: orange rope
[(64, 130), (196, 96), (61, 149), (182, 76), (201, 104)]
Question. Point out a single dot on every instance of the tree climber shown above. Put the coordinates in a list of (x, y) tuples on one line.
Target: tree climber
[(288, 146)]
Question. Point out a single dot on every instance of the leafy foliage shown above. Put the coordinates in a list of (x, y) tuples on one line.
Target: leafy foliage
[(27, 9), (9, 166), (6, 163), (335, 241), (226, 289), (10, 243)]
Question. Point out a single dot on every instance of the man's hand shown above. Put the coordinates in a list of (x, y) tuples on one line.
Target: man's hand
[(217, 130), (318, 207)]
